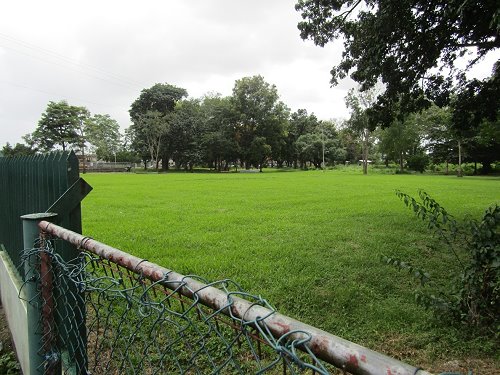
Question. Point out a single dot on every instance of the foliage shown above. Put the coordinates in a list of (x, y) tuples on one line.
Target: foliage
[(151, 114), (59, 126), (258, 152), (160, 97), (182, 136), (259, 114), (218, 141), (18, 150), (311, 146), (360, 104), (440, 140), (300, 124), (149, 129), (475, 299), (418, 162), (402, 43), (103, 133), (402, 139), (9, 364)]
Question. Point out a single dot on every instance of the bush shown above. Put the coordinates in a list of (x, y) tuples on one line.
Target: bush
[(475, 298), (8, 364), (418, 163)]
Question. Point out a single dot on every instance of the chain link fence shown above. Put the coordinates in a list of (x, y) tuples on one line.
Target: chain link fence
[(136, 326), (108, 312)]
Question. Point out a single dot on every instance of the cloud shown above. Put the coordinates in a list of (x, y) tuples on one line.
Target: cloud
[(101, 54)]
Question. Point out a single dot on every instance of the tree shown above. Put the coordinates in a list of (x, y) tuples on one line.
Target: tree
[(218, 142), (300, 123), (150, 114), (18, 150), (439, 138), (103, 134), (58, 126), (402, 140), (136, 144), (360, 102), (260, 114), (160, 97), (313, 146), (258, 152), (183, 140), (150, 128), (475, 110), (82, 119), (401, 42)]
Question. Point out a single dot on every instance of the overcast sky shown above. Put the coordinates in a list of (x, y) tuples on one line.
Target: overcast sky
[(101, 54)]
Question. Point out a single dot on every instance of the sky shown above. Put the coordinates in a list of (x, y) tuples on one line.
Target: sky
[(101, 54)]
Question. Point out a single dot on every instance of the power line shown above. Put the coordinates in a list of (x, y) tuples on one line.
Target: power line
[(70, 63), (47, 92)]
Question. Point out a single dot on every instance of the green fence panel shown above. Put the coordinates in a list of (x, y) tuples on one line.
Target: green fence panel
[(32, 184)]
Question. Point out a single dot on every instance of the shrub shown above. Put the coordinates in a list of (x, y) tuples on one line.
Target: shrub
[(8, 364), (474, 298), (418, 163)]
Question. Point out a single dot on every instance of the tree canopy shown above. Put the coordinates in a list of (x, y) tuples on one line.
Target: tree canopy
[(412, 46), (160, 97), (58, 126)]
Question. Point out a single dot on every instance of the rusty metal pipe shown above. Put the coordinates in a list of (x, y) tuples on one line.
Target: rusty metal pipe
[(341, 353)]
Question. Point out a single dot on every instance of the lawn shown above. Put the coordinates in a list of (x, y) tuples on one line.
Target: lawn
[(308, 242)]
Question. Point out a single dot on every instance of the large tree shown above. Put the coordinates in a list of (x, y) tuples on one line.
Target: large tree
[(403, 139), (103, 134), (151, 113), (218, 141), (439, 139), (359, 125), (411, 45), (183, 141), (160, 97), (301, 123), (260, 114), (59, 126)]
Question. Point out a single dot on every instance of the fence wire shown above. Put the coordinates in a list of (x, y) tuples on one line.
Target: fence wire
[(97, 317)]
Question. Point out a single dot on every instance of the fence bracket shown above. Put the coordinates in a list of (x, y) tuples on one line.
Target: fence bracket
[(71, 197)]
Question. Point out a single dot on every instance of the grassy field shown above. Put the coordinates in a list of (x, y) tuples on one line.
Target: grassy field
[(308, 242)]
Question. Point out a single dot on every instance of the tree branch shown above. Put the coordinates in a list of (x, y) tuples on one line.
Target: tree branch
[(346, 13)]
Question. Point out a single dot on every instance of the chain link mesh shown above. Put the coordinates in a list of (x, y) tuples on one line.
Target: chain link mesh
[(97, 317)]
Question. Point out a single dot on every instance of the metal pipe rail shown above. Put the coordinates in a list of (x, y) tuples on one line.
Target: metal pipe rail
[(341, 353)]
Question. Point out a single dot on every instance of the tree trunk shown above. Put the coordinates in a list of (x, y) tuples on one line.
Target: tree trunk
[(84, 160), (447, 170), (401, 160), (459, 174), (365, 157), (364, 145)]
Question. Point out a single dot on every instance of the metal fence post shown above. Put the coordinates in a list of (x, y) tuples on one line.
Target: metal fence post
[(31, 234)]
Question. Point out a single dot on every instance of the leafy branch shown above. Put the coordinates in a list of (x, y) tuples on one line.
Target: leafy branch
[(474, 298)]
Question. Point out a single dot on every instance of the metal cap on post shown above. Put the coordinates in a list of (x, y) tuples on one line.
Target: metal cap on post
[(31, 234)]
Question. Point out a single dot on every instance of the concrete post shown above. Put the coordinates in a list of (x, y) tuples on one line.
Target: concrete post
[(31, 234)]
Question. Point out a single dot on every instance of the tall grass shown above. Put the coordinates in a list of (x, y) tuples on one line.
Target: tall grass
[(309, 242)]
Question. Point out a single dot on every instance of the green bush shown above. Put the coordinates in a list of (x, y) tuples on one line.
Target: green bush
[(418, 163), (475, 297), (8, 364)]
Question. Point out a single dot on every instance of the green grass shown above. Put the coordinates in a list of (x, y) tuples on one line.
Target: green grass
[(308, 242)]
